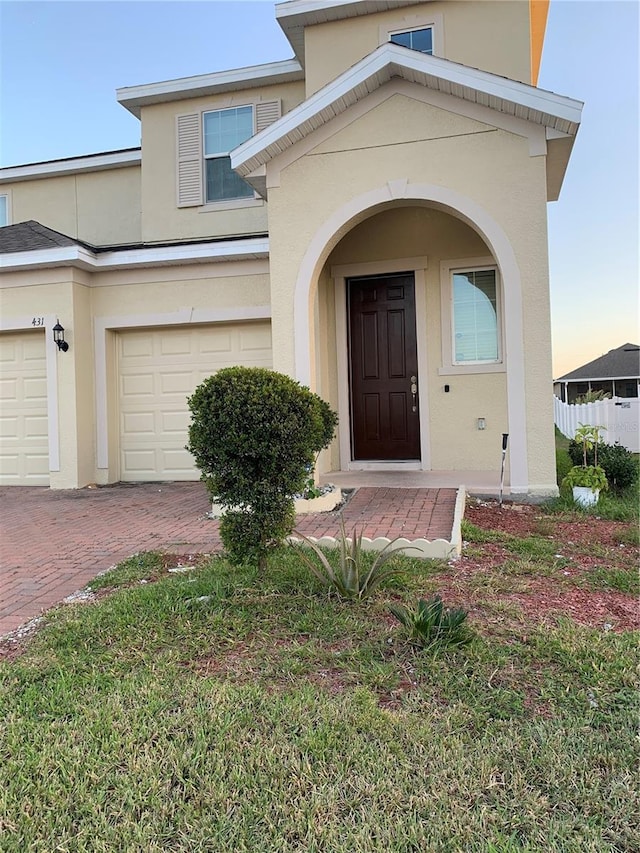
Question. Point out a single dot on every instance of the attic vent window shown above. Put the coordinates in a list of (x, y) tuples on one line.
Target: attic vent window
[(421, 40)]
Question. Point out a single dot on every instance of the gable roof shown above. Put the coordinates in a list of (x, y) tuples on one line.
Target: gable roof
[(620, 363), (559, 114), (31, 235)]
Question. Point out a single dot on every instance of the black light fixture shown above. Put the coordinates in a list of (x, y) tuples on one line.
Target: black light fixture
[(58, 337)]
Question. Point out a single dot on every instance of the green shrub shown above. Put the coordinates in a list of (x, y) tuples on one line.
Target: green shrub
[(432, 624), (618, 463), (254, 434)]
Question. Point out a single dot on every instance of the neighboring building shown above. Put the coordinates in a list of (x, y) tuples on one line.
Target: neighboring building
[(368, 217), (617, 374)]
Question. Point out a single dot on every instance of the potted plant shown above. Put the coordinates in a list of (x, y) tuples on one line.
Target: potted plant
[(587, 481)]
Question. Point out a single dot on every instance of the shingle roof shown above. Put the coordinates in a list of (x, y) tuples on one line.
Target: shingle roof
[(623, 361), (31, 235)]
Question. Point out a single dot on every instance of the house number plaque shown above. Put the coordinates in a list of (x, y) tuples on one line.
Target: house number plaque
[(37, 321)]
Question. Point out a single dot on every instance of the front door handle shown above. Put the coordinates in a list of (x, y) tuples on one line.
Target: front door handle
[(414, 390)]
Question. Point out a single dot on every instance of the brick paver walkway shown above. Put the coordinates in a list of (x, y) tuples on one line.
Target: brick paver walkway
[(53, 543)]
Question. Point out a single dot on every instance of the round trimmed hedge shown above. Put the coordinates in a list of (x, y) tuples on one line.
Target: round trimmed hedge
[(255, 434)]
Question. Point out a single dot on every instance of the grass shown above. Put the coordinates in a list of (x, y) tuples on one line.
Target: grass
[(622, 579), (611, 506), (220, 710)]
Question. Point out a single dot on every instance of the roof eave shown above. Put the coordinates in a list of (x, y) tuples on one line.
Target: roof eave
[(134, 98), (253, 248), (72, 165)]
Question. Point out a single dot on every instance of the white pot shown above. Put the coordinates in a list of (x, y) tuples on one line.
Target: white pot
[(585, 496), (325, 503)]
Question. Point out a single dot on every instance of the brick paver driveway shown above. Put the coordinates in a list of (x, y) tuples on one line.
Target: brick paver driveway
[(53, 543)]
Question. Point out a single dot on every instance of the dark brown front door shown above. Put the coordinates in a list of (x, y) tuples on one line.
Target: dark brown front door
[(384, 366)]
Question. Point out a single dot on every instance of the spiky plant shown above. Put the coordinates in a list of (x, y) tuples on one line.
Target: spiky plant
[(432, 624), (353, 577)]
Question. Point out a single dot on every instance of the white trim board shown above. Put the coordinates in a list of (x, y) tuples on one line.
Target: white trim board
[(77, 256), (133, 98), (71, 166)]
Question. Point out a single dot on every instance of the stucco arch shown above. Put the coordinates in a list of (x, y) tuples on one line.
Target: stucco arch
[(464, 208)]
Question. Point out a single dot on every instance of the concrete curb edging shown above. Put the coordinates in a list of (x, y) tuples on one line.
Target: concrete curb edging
[(456, 527), (422, 549)]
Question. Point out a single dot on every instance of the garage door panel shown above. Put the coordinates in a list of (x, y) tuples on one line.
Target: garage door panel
[(35, 427), (218, 342), (138, 385), (136, 346), (175, 422), (141, 461), (37, 466), (257, 341), (159, 369), (176, 382), (176, 344), (35, 389), (9, 389), (138, 423), (24, 444), (176, 461)]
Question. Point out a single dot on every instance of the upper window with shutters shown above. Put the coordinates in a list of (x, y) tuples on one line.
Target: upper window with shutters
[(204, 142)]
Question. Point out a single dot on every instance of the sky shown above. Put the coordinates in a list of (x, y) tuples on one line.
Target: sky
[(61, 62)]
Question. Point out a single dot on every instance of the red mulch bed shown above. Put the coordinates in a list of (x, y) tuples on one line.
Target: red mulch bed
[(582, 545)]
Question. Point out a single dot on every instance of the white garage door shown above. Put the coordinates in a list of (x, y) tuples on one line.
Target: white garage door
[(24, 445), (158, 370)]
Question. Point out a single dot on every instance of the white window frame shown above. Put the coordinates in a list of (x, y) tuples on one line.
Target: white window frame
[(224, 203), (7, 197), (416, 30), (410, 23), (449, 365)]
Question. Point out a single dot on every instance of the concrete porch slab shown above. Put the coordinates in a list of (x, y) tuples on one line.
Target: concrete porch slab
[(474, 482)]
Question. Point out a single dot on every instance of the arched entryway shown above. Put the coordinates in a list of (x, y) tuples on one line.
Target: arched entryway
[(413, 230)]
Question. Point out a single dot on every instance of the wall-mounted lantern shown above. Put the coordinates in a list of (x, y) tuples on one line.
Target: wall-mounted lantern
[(58, 337)]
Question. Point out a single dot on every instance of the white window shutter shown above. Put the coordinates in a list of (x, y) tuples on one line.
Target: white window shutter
[(189, 160), (266, 113)]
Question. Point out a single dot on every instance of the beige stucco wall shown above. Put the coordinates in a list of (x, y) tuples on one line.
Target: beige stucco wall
[(101, 208), (167, 296), (492, 36), (162, 219), (492, 169)]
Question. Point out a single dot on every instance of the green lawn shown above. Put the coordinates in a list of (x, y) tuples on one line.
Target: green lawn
[(218, 710)]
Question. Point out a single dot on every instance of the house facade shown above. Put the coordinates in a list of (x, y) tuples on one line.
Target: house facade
[(368, 217)]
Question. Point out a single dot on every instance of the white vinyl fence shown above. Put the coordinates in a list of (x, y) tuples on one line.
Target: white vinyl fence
[(619, 416)]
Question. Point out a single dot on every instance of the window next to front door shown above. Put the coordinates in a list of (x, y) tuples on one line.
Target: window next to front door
[(475, 317)]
